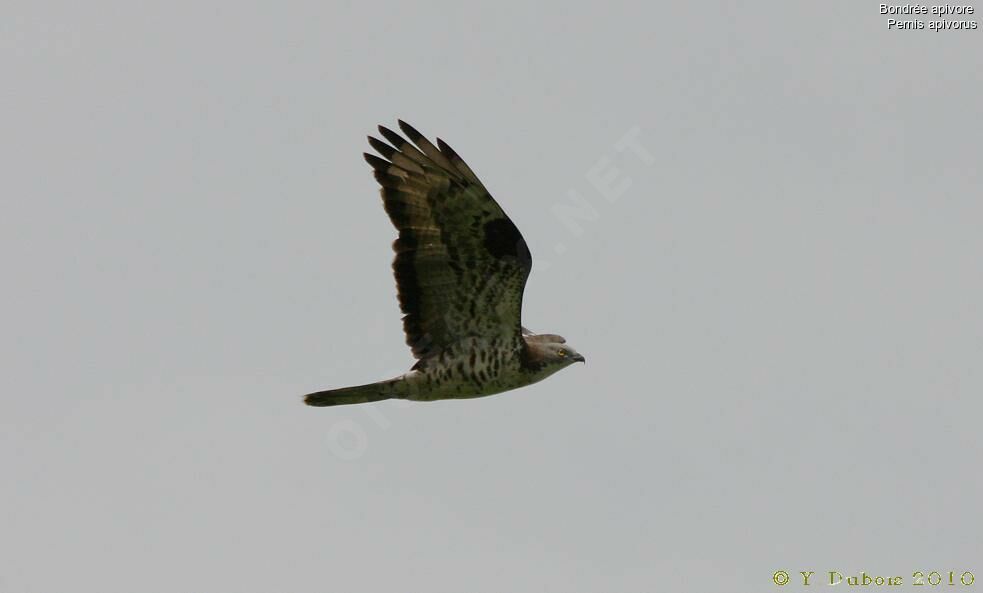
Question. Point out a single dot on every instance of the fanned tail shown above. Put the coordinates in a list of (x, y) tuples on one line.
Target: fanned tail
[(359, 394)]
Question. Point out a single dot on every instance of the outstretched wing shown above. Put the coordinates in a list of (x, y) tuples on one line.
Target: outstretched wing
[(461, 264)]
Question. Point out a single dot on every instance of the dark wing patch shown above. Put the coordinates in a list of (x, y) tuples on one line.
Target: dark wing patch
[(461, 264), (503, 241)]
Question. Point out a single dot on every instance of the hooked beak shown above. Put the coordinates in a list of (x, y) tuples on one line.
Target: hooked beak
[(580, 358)]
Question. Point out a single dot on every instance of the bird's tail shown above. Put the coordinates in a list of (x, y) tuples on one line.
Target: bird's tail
[(359, 394)]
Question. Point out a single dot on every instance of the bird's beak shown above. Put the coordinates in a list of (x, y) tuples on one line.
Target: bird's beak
[(579, 358)]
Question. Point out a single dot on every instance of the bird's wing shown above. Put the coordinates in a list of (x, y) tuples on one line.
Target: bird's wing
[(461, 264)]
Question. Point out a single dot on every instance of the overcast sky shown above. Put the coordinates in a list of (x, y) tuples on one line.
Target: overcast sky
[(760, 223)]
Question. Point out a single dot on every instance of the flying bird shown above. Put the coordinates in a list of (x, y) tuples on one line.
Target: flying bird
[(461, 267)]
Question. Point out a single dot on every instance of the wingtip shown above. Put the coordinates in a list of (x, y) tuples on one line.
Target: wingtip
[(381, 147), (377, 163), (446, 148), (409, 130), (394, 138)]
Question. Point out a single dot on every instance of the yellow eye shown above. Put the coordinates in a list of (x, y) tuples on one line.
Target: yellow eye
[(561, 353)]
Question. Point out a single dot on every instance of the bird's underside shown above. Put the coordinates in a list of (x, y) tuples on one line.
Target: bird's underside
[(461, 266)]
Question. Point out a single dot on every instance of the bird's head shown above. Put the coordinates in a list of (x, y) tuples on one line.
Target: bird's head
[(548, 353), (562, 355)]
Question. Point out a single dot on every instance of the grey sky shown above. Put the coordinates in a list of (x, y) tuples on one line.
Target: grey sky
[(780, 312)]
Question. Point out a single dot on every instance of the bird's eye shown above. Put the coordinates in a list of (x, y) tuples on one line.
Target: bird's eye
[(561, 353)]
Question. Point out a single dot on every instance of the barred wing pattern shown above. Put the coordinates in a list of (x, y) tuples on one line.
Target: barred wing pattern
[(461, 264)]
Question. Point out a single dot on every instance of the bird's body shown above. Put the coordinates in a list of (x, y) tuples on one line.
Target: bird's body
[(461, 267)]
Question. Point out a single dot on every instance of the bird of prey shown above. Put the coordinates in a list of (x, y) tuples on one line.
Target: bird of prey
[(461, 267)]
